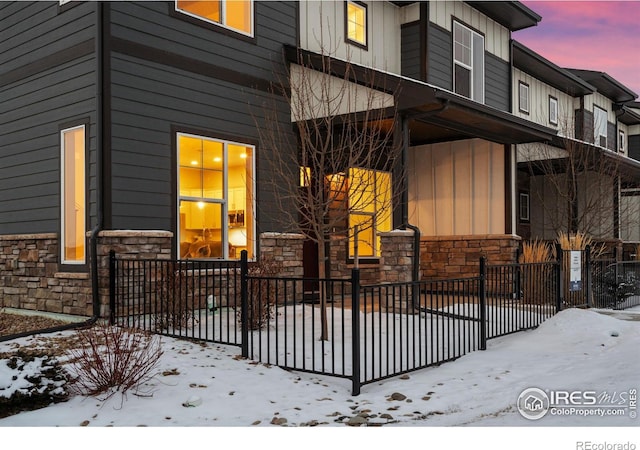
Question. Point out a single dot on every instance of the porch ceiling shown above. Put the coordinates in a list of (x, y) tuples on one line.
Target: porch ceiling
[(434, 114), (445, 116)]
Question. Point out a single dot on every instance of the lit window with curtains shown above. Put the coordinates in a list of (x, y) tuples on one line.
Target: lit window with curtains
[(356, 23), (369, 209), (236, 15), (72, 142), (215, 190)]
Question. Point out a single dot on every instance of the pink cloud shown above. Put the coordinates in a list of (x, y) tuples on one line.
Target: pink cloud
[(594, 35)]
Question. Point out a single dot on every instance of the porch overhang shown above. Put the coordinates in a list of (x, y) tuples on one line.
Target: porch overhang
[(434, 114), (437, 115)]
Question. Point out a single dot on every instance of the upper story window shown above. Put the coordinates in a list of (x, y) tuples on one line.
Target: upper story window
[(523, 97), (236, 15), (356, 23), (600, 126), (468, 62), (553, 110), (621, 142)]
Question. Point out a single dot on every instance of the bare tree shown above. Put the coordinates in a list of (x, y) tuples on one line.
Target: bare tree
[(336, 168), (575, 185)]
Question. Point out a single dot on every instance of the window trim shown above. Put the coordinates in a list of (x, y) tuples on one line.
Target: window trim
[(523, 87), (621, 142), (524, 198), (471, 68), (348, 40), (216, 26), (225, 140), (71, 265), (553, 101)]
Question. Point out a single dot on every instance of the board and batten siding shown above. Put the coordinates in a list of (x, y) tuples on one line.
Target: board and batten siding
[(457, 188), (496, 37), (42, 86), (151, 98), (539, 93), (322, 25)]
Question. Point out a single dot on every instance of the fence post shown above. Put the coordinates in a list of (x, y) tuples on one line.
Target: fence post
[(483, 303), (244, 306), (587, 275), (559, 278), (112, 287), (355, 331)]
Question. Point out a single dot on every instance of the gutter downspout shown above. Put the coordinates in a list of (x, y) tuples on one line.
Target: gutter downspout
[(99, 154)]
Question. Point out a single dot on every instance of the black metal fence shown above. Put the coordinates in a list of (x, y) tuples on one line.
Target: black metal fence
[(615, 284), (364, 333)]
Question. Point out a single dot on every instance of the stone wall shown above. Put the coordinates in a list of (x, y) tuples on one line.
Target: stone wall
[(31, 277), (459, 256)]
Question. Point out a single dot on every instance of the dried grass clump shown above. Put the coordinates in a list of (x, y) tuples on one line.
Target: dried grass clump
[(113, 359), (536, 251), (579, 241)]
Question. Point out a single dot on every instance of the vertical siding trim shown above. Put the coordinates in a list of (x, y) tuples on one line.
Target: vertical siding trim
[(105, 119), (424, 28)]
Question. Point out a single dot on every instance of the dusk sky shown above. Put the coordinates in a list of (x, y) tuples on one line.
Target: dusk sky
[(593, 35)]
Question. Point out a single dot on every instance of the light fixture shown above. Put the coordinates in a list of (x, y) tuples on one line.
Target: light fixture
[(238, 237), (194, 163), (243, 155), (201, 205), (217, 159)]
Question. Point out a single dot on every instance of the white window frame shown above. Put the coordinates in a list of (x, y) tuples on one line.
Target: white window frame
[(524, 200), (225, 188), (63, 187), (621, 142), (599, 125), (523, 97), (223, 13), (475, 65), (553, 110)]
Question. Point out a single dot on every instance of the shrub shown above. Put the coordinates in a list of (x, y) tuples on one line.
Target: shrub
[(113, 359), (535, 273), (174, 288), (261, 292)]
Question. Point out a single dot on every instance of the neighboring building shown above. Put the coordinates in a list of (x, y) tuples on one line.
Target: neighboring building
[(595, 124), (136, 126)]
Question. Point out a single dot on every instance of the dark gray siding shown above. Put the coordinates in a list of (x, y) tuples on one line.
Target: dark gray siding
[(39, 94), (150, 96), (440, 57), (410, 50), (496, 82), (634, 147), (612, 137), (584, 125)]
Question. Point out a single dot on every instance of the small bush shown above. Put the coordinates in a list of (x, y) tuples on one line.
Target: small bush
[(261, 292), (172, 309), (113, 359)]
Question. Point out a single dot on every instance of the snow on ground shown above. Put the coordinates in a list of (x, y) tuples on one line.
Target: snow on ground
[(576, 351)]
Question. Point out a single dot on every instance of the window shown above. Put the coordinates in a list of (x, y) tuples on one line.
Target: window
[(73, 217), (468, 62), (553, 110), (236, 15), (215, 192), (369, 209), (524, 207), (600, 126), (621, 143), (523, 97), (356, 23)]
